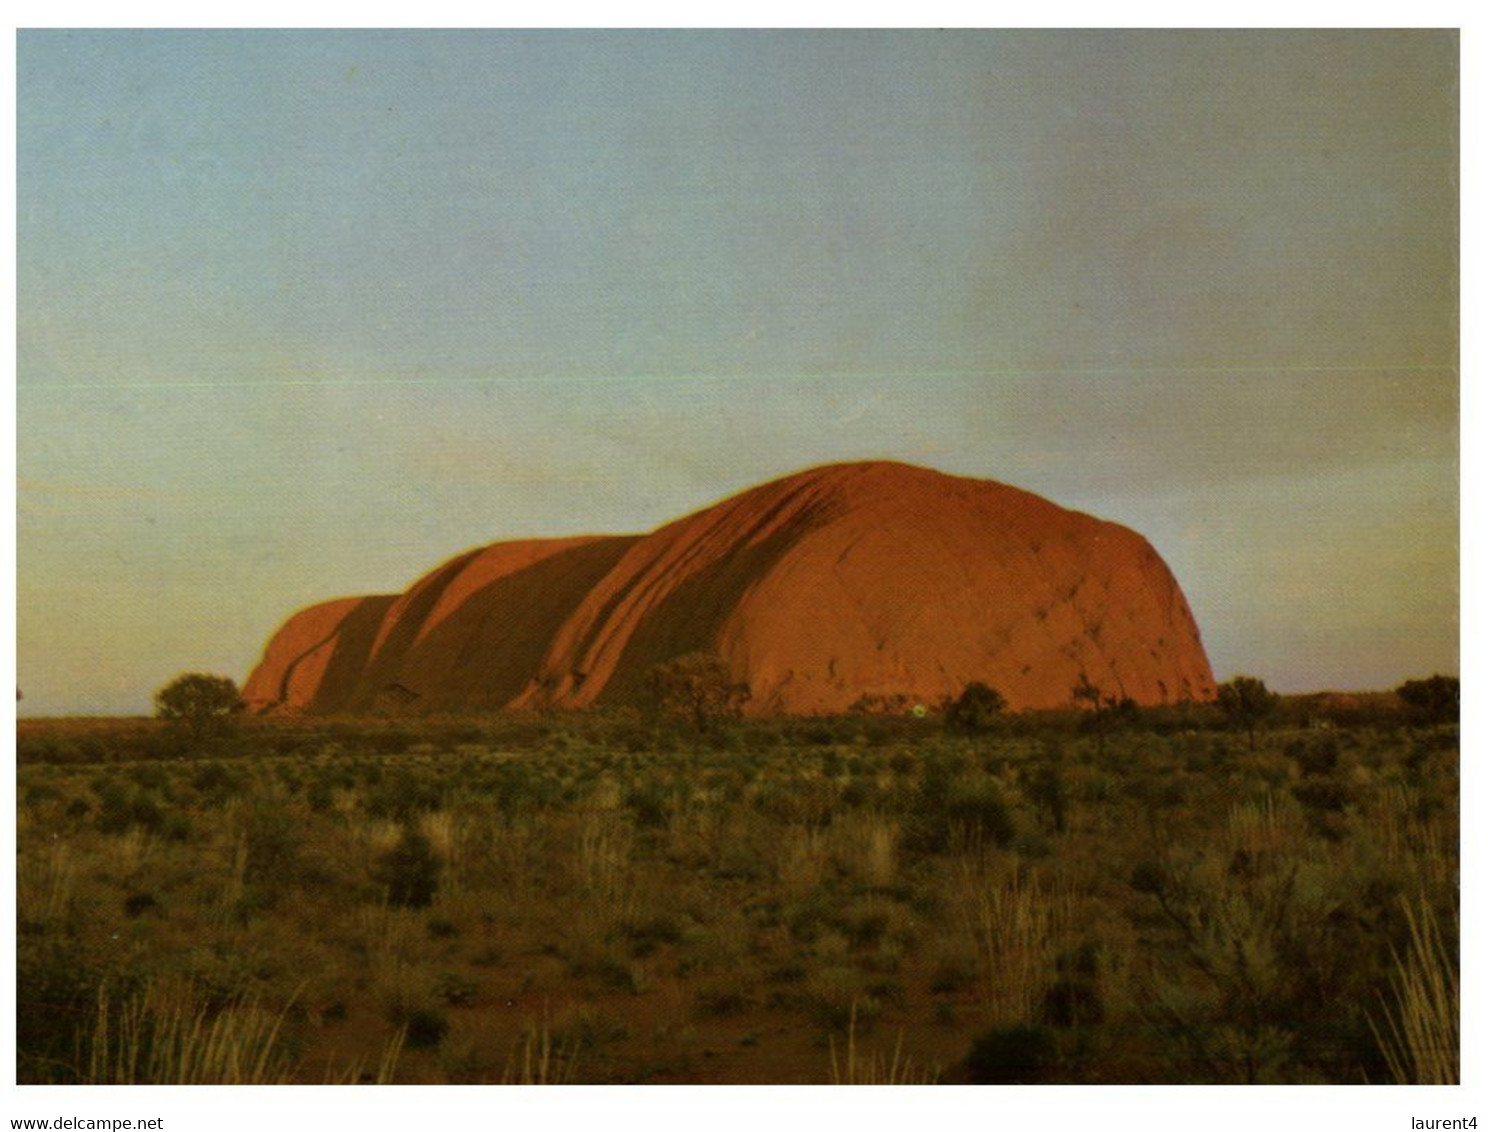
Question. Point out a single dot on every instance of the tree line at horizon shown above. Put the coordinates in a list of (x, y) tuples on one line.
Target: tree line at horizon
[(699, 690)]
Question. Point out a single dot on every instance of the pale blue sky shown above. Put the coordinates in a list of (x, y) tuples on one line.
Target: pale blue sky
[(301, 314)]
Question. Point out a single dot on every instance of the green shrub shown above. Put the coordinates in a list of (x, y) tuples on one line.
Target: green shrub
[(645, 936), (152, 776), (1436, 699), (859, 793), (1013, 1055), (403, 794), (409, 871), (119, 809), (953, 973), (1325, 794), (271, 838), (980, 816), (978, 709), (1149, 877), (721, 1001), (60, 993), (423, 1027), (216, 782), (455, 990), (1316, 756), (1071, 1002), (647, 804), (139, 903), (1047, 790), (320, 797), (1075, 998)]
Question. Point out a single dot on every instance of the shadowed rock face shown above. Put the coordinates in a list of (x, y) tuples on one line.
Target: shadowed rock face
[(817, 589), (467, 636)]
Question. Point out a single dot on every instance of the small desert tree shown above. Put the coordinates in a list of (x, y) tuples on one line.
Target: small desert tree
[(978, 708), (1086, 693), (1247, 702), (1103, 711), (1437, 699), (697, 687), (205, 704)]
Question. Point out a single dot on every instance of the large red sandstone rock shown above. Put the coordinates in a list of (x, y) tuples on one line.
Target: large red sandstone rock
[(853, 580)]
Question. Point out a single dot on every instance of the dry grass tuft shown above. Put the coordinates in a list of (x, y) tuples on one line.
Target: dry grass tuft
[(165, 1036), (868, 847), (537, 1060), (45, 884), (1265, 828), (1016, 924), (387, 1065), (875, 1069), (605, 843), (446, 835), (804, 859), (1420, 1037)]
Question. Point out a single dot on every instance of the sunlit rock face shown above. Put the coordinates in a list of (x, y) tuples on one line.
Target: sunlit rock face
[(877, 580)]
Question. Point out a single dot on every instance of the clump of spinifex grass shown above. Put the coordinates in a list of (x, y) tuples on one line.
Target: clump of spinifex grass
[(1420, 1035), (387, 1065), (1203, 914), (804, 859), (854, 1068), (539, 1060), (866, 846), (1016, 923), (164, 1035), (45, 886)]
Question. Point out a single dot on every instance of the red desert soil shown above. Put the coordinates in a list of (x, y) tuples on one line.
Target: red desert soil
[(817, 589)]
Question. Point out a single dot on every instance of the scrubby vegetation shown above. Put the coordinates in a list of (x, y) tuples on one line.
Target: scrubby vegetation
[(200, 701), (626, 898)]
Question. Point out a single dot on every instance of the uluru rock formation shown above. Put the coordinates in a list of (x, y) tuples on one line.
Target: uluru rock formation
[(843, 582)]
